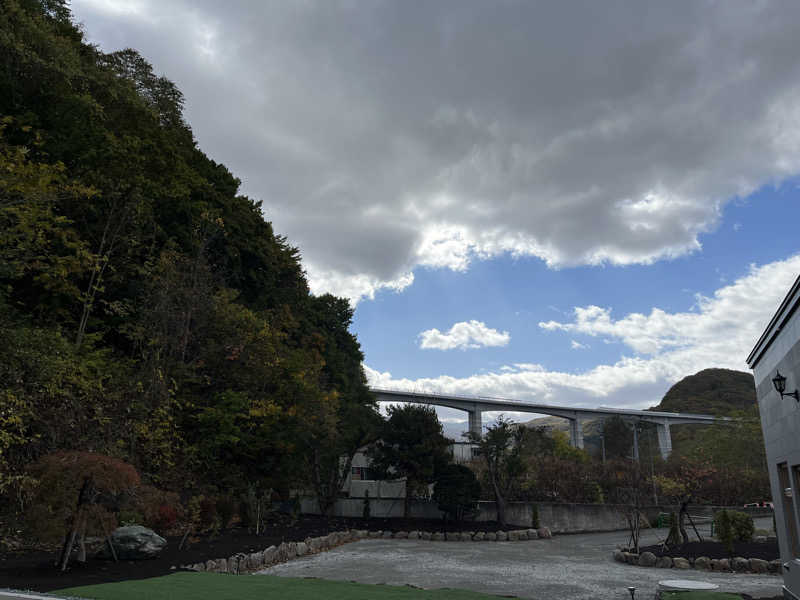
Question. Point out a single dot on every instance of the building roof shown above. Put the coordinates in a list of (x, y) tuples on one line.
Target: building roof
[(776, 324)]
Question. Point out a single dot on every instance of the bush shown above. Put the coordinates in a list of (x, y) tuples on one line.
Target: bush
[(733, 525), (457, 491), (724, 529), (743, 526)]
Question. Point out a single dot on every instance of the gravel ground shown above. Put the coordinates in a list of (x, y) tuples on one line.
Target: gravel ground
[(568, 567)]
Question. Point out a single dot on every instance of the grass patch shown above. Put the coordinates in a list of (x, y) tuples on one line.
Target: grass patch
[(699, 596), (215, 586)]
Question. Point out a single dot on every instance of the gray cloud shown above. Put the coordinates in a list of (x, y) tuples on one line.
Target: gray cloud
[(386, 135)]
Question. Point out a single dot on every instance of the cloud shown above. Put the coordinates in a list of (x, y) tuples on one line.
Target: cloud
[(463, 335), (388, 136), (578, 346), (666, 347)]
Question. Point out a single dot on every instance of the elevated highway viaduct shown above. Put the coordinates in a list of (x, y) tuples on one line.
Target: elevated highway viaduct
[(476, 406)]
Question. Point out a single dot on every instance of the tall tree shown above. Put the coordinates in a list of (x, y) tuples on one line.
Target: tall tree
[(412, 446), (502, 448)]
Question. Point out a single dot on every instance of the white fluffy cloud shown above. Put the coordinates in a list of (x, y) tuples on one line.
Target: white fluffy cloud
[(463, 335), (385, 136), (720, 332)]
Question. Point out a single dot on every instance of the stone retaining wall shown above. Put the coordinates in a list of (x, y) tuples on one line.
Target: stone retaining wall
[(703, 563), (255, 561)]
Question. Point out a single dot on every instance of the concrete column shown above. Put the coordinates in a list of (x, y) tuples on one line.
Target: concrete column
[(664, 439), (576, 432), (636, 441), (475, 421)]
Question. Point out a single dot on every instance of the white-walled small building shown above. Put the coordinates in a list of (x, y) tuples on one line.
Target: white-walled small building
[(775, 362)]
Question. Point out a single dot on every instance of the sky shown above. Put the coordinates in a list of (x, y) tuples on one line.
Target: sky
[(575, 203)]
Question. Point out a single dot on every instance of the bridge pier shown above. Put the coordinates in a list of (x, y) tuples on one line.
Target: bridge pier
[(576, 432), (664, 439), (475, 417), (636, 441)]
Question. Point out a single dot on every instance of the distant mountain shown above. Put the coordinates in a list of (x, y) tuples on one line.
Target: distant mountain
[(711, 391)]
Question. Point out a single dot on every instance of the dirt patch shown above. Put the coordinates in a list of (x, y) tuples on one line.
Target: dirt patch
[(763, 550), (34, 570)]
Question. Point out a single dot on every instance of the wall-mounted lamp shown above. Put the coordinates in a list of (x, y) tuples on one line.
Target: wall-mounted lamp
[(779, 381)]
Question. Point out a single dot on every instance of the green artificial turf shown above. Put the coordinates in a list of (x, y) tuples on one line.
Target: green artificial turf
[(699, 596), (214, 586)]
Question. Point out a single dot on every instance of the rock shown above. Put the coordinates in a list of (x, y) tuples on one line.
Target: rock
[(302, 549), (269, 556), (291, 550), (355, 534), (438, 537), (740, 564), (664, 562), (681, 563), (775, 566), (759, 566), (703, 563), (413, 535), (233, 564), (387, 535), (533, 534), (632, 558), (544, 533), (523, 535), (401, 535), (211, 565), (221, 565), (618, 556), (452, 536), (426, 535), (720, 564), (376, 534), (647, 559), (134, 542), (281, 553), (478, 537), (466, 536), (502, 536), (761, 539), (490, 536), (513, 536)]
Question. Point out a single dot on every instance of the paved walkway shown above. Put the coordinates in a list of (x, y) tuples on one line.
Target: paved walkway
[(568, 567)]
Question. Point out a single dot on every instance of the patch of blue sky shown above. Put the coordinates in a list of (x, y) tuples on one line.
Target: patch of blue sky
[(514, 295)]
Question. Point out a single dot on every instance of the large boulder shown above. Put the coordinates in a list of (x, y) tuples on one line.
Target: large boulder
[(502, 536), (134, 542), (401, 535), (490, 536), (775, 566), (478, 537), (702, 563), (533, 534), (664, 562), (740, 564), (721, 564), (544, 533), (758, 566), (618, 556), (647, 559), (681, 563)]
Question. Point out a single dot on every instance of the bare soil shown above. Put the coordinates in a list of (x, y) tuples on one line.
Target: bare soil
[(35, 570)]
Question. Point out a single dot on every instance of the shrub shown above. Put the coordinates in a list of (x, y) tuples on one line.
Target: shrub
[(158, 509), (743, 526), (457, 491)]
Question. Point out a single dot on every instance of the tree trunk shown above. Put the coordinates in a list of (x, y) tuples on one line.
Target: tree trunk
[(681, 521)]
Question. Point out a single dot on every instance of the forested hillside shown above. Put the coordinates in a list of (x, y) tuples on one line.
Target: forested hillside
[(711, 391), (148, 311)]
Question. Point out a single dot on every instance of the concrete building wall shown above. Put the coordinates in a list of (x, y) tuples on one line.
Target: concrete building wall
[(780, 421)]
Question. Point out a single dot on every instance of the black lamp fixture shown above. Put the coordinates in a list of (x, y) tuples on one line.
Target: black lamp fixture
[(779, 381)]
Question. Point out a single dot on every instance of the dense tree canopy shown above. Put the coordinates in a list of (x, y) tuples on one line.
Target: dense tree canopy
[(148, 310)]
